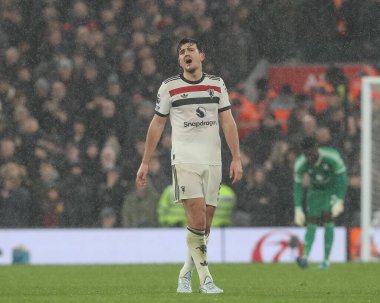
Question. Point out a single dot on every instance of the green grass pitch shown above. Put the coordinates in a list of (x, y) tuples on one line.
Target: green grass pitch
[(264, 283)]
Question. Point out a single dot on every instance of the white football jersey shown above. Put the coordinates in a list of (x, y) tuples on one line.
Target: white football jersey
[(193, 108)]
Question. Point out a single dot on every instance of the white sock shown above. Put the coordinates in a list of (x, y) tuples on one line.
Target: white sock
[(196, 243), (189, 262)]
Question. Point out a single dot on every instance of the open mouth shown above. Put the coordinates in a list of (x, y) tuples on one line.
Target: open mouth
[(188, 61)]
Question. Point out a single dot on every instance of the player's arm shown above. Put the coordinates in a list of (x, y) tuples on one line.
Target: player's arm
[(340, 184), (337, 200), (229, 128), (299, 173), (298, 191), (156, 127)]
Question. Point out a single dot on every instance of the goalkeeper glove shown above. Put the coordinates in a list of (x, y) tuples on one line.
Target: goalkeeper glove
[(299, 216), (337, 208)]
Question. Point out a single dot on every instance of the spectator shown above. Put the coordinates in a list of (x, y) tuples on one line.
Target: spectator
[(282, 106), (246, 115), (91, 160), (78, 134), (279, 170), (15, 198), (170, 214), (48, 177), (323, 136), (72, 156), (8, 152), (108, 218), (140, 207), (110, 194), (40, 96), (53, 209), (226, 206), (64, 61), (260, 141), (160, 179), (77, 195), (56, 110), (257, 202)]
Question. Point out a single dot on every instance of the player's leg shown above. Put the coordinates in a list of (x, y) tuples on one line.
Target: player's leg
[(189, 190), (196, 244), (311, 228), (329, 226), (313, 220), (196, 241), (211, 185), (310, 235), (189, 265)]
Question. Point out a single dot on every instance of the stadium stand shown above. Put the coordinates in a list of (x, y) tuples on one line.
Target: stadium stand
[(78, 81)]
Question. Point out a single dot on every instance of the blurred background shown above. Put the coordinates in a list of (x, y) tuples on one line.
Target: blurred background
[(78, 82)]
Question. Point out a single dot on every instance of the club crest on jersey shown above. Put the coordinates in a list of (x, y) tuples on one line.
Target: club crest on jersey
[(202, 248), (211, 93)]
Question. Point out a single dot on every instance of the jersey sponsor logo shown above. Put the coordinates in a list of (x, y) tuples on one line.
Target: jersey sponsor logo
[(200, 112), (200, 124), (184, 95)]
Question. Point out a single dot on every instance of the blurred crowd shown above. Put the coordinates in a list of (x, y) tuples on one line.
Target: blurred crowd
[(78, 82)]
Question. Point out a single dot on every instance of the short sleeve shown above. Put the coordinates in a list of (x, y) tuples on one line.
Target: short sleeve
[(299, 169), (339, 166), (224, 100), (163, 103)]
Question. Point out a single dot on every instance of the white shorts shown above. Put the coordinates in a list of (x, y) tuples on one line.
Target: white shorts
[(196, 181)]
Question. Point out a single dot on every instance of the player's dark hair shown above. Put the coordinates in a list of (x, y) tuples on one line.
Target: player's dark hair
[(308, 143), (191, 41)]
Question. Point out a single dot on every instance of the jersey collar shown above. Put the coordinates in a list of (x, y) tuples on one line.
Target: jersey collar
[(192, 82)]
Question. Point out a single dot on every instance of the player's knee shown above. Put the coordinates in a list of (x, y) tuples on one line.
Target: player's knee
[(198, 223)]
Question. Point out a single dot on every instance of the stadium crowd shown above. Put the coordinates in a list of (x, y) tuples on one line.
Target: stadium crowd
[(78, 82)]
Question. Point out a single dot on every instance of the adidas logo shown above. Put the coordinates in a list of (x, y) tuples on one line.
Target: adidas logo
[(205, 263), (184, 95)]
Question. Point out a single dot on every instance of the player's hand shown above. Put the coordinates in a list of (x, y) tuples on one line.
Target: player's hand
[(141, 174), (337, 208), (236, 171), (299, 216)]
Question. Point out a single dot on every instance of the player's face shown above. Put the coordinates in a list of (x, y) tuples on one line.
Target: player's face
[(311, 155), (189, 57)]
